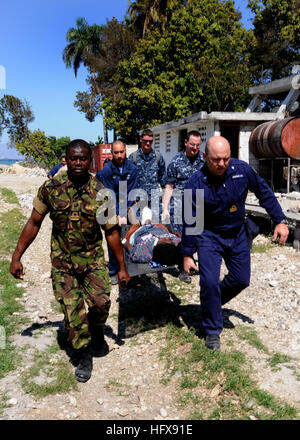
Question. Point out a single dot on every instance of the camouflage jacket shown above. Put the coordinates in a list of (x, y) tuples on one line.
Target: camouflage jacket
[(76, 233), (180, 169)]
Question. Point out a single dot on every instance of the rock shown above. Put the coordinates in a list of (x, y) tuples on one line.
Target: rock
[(74, 415), (123, 412), (73, 401), (163, 412), (12, 401), (215, 391), (26, 200)]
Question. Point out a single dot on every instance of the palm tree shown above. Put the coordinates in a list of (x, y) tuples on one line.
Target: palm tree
[(146, 13), (84, 44)]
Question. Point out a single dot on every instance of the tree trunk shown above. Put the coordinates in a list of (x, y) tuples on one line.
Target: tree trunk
[(105, 133)]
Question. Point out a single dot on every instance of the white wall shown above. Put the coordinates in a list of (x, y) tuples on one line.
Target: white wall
[(167, 141), (245, 133)]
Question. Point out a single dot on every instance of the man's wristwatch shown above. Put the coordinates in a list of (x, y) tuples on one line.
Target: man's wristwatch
[(284, 221)]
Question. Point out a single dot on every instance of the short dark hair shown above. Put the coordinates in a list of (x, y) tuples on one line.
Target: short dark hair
[(79, 143), (147, 132), (166, 253), (193, 133)]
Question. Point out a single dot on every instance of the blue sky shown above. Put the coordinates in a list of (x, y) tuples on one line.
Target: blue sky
[(33, 36)]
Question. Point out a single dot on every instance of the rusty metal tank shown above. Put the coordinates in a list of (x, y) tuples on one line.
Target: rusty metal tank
[(276, 139)]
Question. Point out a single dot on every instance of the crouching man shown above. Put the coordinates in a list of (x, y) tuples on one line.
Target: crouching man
[(79, 274)]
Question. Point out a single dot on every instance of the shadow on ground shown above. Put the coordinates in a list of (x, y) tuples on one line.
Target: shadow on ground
[(146, 304)]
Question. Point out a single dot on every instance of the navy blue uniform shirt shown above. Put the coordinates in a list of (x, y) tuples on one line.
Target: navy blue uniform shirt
[(110, 176), (54, 170), (224, 201)]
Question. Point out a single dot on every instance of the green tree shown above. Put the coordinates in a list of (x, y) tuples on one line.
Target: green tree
[(36, 146), (15, 115), (58, 148), (200, 62), (146, 14), (277, 37), (117, 44), (84, 44)]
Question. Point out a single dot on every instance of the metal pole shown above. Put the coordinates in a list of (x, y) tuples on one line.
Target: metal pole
[(272, 174), (288, 176)]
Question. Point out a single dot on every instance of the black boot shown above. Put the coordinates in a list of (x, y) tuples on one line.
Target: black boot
[(213, 342), (97, 338), (84, 369)]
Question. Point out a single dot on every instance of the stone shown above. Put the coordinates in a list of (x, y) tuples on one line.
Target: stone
[(13, 401), (163, 412), (72, 401), (273, 283)]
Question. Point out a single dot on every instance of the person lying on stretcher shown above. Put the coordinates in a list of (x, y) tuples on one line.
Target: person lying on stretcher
[(152, 243), (148, 242)]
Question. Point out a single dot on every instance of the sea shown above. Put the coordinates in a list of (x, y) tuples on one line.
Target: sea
[(9, 161)]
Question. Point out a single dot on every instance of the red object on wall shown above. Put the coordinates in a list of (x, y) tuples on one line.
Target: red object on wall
[(99, 154)]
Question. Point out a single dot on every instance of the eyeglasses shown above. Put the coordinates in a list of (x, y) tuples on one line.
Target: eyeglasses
[(147, 141)]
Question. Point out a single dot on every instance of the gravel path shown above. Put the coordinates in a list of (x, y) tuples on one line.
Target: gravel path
[(126, 379)]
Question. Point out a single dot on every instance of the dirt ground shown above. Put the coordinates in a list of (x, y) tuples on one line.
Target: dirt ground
[(126, 379)]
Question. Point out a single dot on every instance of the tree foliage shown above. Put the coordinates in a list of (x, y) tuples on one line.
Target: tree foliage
[(15, 115), (171, 58), (117, 43), (144, 15), (200, 62), (84, 41), (35, 145), (277, 37), (58, 148), (84, 45)]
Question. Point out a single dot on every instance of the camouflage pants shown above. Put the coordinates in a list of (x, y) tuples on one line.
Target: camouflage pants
[(77, 293)]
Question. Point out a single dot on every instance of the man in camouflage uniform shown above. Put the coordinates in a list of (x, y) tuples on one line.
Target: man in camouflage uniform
[(151, 170), (179, 170), (79, 273)]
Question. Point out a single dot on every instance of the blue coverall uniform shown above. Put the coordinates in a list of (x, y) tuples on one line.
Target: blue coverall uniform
[(224, 235), (111, 176), (54, 170), (179, 170)]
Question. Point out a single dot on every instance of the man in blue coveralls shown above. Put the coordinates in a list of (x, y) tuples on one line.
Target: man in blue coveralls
[(56, 168), (225, 182), (118, 170)]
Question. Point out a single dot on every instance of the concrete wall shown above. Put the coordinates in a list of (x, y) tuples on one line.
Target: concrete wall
[(168, 143), (245, 133), (130, 149)]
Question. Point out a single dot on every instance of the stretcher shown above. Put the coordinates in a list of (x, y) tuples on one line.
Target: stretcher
[(137, 269)]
